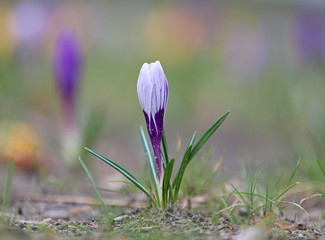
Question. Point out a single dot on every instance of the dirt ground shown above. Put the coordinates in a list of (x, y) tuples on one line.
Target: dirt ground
[(64, 208), (67, 217)]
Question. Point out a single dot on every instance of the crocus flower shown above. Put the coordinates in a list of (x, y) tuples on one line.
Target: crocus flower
[(67, 65), (152, 89), (67, 69), (310, 35)]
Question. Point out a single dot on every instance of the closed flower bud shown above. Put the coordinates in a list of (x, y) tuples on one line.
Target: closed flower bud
[(152, 89), (67, 65), (67, 69)]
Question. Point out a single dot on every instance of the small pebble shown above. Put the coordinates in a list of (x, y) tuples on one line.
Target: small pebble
[(121, 218), (301, 226)]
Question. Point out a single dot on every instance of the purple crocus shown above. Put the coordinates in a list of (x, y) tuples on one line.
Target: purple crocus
[(67, 69), (153, 96), (67, 65), (310, 35)]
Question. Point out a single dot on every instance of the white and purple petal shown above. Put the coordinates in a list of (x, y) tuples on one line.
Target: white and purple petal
[(152, 90)]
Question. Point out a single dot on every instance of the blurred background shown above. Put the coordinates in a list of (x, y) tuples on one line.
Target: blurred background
[(263, 60)]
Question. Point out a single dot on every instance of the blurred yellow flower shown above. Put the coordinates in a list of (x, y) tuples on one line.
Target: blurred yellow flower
[(19, 143)]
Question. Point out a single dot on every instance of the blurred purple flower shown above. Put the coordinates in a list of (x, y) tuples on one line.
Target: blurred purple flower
[(67, 65), (152, 90), (310, 33), (67, 69)]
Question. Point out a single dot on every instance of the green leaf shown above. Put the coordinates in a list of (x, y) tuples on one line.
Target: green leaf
[(165, 159), (125, 173), (166, 183), (207, 135), (287, 187), (266, 199), (179, 176), (184, 163), (165, 148), (151, 161), (320, 167), (171, 196)]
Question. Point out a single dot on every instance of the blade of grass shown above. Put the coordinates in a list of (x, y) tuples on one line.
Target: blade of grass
[(237, 205), (6, 192), (180, 173), (98, 196), (166, 183), (253, 185), (224, 190), (321, 168), (304, 210), (247, 205), (184, 163), (207, 135), (266, 199), (151, 161), (171, 196), (248, 194), (240, 194), (286, 189), (125, 174), (165, 147), (178, 179)]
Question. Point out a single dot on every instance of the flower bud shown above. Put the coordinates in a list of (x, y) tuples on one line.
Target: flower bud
[(152, 89)]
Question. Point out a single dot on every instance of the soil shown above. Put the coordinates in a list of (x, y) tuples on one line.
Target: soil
[(62, 220), (39, 211)]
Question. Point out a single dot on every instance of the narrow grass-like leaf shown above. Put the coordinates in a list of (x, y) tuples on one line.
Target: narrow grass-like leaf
[(179, 176), (224, 190), (253, 186), (6, 192), (166, 183), (266, 199), (184, 163), (98, 196), (165, 148), (321, 168), (151, 161), (234, 206), (258, 208), (125, 174), (247, 205), (178, 179), (171, 196), (207, 135), (229, 195), (254, 194), (287, 188), (240, 195)]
